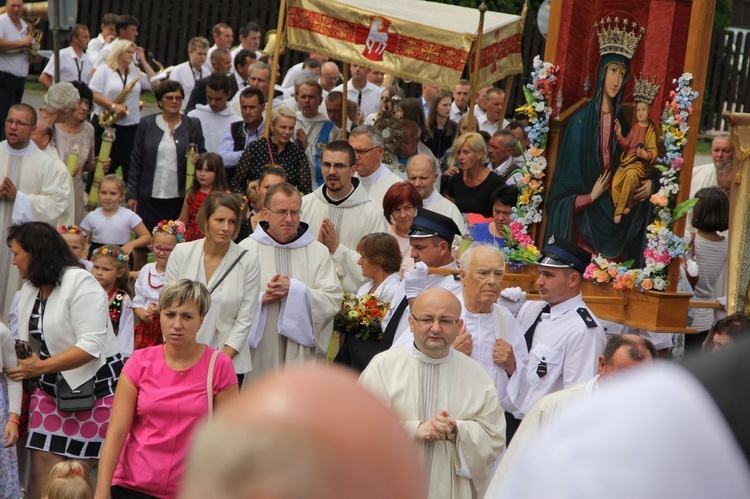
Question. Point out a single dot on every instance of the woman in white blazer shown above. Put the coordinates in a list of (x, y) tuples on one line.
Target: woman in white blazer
[(65, 310), (231, 274)]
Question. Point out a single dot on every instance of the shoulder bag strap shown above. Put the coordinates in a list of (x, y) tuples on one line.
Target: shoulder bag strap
[(210, 383), (213, 288)]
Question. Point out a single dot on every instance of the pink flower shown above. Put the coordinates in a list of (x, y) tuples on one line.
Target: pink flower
[(678, 162), (589, 273)]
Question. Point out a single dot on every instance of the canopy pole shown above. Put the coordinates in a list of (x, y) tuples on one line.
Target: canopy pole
[(274, 67), (511, 78), (475, 67), (345, 101)]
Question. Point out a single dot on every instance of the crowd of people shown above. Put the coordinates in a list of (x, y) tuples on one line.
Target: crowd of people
[(205, 255)]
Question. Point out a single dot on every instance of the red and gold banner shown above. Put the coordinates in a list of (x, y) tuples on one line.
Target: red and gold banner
[(413, 40)]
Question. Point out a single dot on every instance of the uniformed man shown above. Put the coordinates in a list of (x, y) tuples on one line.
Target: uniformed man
[(563, 336)]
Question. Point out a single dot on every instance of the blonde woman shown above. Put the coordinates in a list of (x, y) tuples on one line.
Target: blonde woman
[(471, 188), (279, 150), (108, 82)]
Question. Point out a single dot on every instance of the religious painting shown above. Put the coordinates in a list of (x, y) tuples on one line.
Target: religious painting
[(605, 138)]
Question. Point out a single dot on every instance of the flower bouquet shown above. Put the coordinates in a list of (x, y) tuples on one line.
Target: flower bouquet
[(361, 316)]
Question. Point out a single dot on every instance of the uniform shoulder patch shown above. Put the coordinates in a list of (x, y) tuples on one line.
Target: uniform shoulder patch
[(586, 316)]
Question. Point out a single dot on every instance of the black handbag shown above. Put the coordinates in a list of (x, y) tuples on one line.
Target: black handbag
[(82, 398)]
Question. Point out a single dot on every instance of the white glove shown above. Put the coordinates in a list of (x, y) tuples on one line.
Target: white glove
[(415, 280), (512, 299)]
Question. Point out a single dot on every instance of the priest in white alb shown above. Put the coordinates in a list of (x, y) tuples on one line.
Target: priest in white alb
[(448, 404), (31, 189), (300, 292)]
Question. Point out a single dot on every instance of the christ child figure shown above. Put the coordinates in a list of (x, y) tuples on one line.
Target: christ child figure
[(640, 146)]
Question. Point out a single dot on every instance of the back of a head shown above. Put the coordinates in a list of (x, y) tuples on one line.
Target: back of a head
[(298, 433), (66, 481)]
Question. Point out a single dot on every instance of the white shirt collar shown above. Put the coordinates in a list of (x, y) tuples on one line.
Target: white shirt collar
[(433, 198), (380, 174), (31, 148), (571, 304)]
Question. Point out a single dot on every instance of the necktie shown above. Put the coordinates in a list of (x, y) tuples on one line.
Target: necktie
[(529, 335), (359, 100)]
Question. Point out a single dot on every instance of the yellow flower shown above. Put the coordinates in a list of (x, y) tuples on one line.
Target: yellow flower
[(525, 198)]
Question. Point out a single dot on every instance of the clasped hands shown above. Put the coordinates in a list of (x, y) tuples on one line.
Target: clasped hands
[(441, 427), (278, 288)]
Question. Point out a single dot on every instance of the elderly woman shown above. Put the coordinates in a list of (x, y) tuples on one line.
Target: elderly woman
[(503, 200), (161, 398), (471, 188), (278, 150), (156, 184), (400, 205), (59, 103), (380, 261), (231, 274), (65, 310), (78, 133), (111, 80)]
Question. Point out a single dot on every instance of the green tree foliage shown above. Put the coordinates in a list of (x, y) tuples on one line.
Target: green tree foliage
[(723, 14)]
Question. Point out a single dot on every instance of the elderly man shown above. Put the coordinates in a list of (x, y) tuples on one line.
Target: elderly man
[(623, 352), (32, 188), (220, 62), (314, 129), (409, 147), (706, 175), (446, 401), (74, 63), (500, 150), (374, 175), (493, 119), (562, 335), (238, 135), (329, 76), (223, 38), (216, 116), (298, 433), (361, 91), (341, 213), (460, 105), (15, 39), (302, 292), (422, 173)]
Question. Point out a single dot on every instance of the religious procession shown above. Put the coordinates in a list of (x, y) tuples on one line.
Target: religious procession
[(423, 262)]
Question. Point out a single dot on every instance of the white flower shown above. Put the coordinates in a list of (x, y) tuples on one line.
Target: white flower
[(539, 106)]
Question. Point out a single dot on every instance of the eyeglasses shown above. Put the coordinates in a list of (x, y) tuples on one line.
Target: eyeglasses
[(336, 166), (160, 249), (360, 152), (284, 214), (11, 123), (428, 321), (173, 98)]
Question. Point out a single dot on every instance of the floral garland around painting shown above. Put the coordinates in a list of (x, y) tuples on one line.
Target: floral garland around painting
[(663, 245), (361, 316), (519, 247)]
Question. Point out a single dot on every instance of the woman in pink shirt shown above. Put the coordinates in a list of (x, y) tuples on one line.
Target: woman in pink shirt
[(160, 399)]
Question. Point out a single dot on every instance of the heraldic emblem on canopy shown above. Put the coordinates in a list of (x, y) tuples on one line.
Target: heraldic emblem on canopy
[(376, 38)]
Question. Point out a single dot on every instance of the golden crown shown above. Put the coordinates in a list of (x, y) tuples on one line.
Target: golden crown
[(645, 90), (616, 38)]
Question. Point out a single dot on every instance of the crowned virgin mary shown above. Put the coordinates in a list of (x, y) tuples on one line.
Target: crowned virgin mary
[(580, 206)]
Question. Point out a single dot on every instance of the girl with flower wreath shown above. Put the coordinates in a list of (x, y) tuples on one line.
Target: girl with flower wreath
[(111, 271), (209, 177), (166, 235)]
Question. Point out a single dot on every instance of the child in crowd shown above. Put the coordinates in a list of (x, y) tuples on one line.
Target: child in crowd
[(78, 243), (111, 270), (166, 235), (67, 481), (209, 177), (10, 410), (112, 223)]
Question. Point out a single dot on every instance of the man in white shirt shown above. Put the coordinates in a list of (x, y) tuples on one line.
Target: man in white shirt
[(302, 76), (216, 116), (460, 105), (15, 38), (239, 134), (221, 61), (74, 63), (375, 176), (223, 38), (500, 150), (493, 120), (314, 130), (706, 175), (422, 173), (243, 63), (291, 73), (376, 77), (361, 91), (428, 95), (329, 77), (191, 71), (249, 35), (126, 27), (448, 404), (107, 34)]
